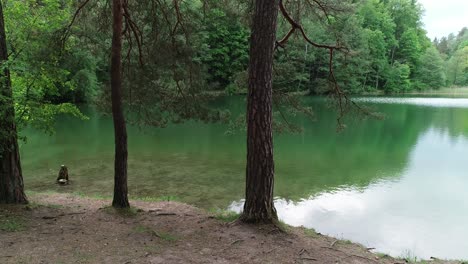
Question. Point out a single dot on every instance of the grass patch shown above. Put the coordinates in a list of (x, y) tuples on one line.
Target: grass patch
[(409, 257), (54, 206), (167, 236), (32, 206), (79, 194), (32, 193), (345, 242), (125, 212), (167, 198), (310, 232), (283, 226), (224, 215), (142, 229), (92, 196), (381, 255), (11, 224)]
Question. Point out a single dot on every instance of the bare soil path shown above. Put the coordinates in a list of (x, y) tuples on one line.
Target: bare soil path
[(60, 228)]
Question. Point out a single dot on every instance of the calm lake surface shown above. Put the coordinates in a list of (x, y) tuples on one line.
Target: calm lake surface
[(398, 185)]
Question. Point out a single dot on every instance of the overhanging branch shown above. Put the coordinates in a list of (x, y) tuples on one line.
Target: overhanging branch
[(67, 31), (343, 101)]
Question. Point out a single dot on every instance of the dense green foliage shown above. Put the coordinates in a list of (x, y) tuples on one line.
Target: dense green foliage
[(225, 47), (389, 50), (200, 46), (46, 79), (455, 51)]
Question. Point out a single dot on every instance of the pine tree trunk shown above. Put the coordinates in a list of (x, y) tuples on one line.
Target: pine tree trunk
[(120, 131), (259, 205), (11, 178)]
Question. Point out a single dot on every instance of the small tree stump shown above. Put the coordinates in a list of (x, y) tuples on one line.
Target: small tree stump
[(63, 175)]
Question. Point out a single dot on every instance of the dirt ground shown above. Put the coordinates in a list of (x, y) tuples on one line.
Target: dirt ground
[(58, 228)]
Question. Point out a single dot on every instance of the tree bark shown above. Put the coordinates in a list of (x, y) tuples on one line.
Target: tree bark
[(259, 205), (120, 131), (11, 178)]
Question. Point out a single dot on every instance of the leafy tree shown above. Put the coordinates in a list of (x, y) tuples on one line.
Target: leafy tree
[(354, 71), (431, 72), (377, 17), (456, 58), (11, 178), (442, 46), (378, 33), (225, 47), (409, 49), (378, 54), (457, 67), (38, 72), (398, 78), (82, 70)]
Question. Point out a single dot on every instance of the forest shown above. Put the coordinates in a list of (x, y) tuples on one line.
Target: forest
[(164, 63), (64, 62)]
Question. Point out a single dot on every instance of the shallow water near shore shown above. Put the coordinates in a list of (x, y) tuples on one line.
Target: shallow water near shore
[(397, 185)]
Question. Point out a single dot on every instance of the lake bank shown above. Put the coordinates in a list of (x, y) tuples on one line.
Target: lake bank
[(376, 194), (441, 91), (61, 228), (455, 91)]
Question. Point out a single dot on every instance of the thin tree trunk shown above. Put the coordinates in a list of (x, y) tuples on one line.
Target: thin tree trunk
[(11, 178), (392, 61), (120, 131), (259, 205), (456, 72), (365, 81), (377, 82)]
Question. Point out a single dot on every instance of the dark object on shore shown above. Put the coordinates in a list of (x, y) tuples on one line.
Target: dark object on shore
[(63, 175)]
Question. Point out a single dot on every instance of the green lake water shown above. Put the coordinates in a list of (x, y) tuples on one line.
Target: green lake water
[(398, 185)]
